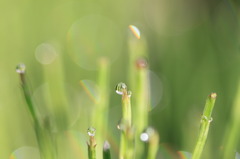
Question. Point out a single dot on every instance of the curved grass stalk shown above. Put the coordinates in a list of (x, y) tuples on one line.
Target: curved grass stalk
[(44, 137)]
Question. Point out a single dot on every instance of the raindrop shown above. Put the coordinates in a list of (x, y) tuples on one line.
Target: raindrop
[(129, 93), (146, 135), (91, 131), (120, 88), (121, 125), (21, 68), (135, 31)]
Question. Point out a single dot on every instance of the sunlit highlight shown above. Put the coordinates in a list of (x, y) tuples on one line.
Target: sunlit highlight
[(135, 31), (45, 53), (25, 153)]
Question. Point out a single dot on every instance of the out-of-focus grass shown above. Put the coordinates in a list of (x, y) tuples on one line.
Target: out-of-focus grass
[(193, 48)]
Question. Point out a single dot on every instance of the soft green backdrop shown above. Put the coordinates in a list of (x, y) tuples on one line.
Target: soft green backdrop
[(193, 49)]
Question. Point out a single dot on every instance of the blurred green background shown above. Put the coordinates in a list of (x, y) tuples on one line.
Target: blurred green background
[(192, 47)]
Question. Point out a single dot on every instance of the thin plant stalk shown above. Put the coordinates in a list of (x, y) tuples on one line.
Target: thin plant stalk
[(92, 148), (153, 145), (100, 112), (106, 150), (142, 106), (126, 140), (232, 133), (127, 121), (92, 143), (44, 137), (138, 77), (204, 127)]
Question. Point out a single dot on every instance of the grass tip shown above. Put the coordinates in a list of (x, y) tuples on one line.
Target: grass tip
[(213, 95), (106, 146)]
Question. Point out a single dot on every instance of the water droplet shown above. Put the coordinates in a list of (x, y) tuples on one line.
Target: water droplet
[(120, 88), (21, 68), (129, 93), (106, 146), (135, 31), (91, 131), (121, 125), (146, 135)]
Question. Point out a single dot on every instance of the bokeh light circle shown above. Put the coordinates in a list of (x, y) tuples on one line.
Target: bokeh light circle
[(45, 53), (25, 152), (156, 89), (184, 155), (91, 38)]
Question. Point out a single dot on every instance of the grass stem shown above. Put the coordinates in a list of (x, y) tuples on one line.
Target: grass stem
[(204, 127), (106, 150), (232, 133), (92, 143)]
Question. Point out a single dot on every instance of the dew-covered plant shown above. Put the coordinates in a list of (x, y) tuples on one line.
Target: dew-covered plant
[(138, 140)]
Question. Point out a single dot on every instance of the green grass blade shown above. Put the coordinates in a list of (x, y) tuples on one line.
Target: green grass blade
[(92, 143), (232, 133), (204, 127), (106, 150)]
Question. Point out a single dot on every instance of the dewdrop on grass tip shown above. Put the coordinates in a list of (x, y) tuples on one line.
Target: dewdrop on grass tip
[(21, 68), (120, 88), (91, 131)]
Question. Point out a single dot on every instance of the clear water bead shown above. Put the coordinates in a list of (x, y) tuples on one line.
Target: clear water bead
[(91, 131), (121, 124), (120, 88), (129, 93), (146, 135), (21, 68)]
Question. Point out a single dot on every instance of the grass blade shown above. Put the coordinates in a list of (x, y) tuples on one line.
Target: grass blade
[(106, 150), (204, 127)]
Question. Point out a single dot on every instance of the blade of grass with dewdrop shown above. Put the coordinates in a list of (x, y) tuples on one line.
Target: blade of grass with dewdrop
[(126, 140), (92, 143), (204, 127), (125, 146), (44, 137), (232, 134), (26, 91), (138, 77), (153, 145), (100, 112)]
